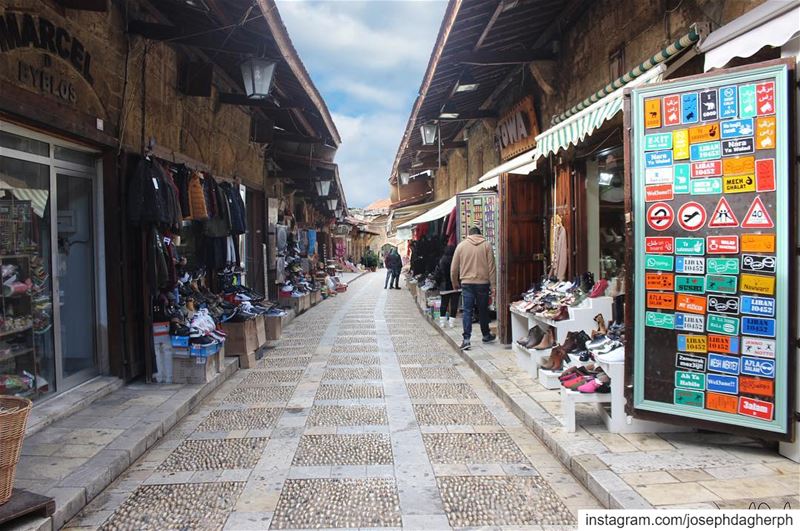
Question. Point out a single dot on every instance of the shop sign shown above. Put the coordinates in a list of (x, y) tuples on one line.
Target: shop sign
[(723, 304), (722, 244), (755, 408), (757, 216), (708, 105), (762, 285), (737, 146), (756, 386), (658, 192), (720, 383), (758, 326), (684, 397), (706, 186), (656, 159), (660, 320), (659, 281), (516, 131), (723, 266), (761, 306), (680, 184), (690, 380), (689, 323), (690, 246), (765, 175), (765, 132), (689, 114), (747, 101), (705, 151), (756, 346), (692, 304), (758, 264), (692, 363), (680, 144), (659, 244), (721, 284), (689, 284), (658, 262), (672, 110), (736, 128), (758, 243), (764, 368), (711, 168), (723, 403), (24, 31), (719, 324), (736, 184), (724, 344), (689, 264), (661, 175), (722, 363), (692, 343), (652, 109), (657, 141), (660, 301), (765, 98), (727, 102), (739, 165), (704, 133)]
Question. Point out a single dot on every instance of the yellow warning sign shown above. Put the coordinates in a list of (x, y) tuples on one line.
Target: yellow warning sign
[(680, 144), (734, 184), (652, 113)]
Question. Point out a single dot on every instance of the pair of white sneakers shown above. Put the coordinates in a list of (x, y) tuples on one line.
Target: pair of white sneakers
[(449, 322)]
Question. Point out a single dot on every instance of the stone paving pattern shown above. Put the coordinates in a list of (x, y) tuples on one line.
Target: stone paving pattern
[(345, 444)]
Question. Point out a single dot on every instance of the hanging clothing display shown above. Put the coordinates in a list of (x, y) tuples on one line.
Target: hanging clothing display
[(560, 258), (312, 242)]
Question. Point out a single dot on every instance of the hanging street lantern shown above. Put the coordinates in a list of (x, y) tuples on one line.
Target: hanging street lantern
[(323, 187), (332, 202), (258, 74), (428, 134), (405, 178)]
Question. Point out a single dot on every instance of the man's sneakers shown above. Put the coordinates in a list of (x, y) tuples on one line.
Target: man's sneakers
[(465, 345), (489, 338)]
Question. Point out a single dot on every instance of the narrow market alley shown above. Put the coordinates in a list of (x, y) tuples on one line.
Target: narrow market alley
[(374, 423)]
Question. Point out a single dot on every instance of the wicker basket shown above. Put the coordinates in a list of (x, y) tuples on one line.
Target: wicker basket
[(12, 433)]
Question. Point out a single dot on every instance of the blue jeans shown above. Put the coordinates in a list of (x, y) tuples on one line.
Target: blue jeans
[(389, 278), (476, 294)]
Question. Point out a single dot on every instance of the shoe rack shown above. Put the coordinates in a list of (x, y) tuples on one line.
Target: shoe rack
[(17, 348)]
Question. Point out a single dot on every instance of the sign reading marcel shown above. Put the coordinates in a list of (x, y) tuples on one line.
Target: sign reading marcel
[(61, 56), (516, 131), (729, 306)]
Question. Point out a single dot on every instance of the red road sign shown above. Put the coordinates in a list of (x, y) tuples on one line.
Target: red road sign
[(660, 216), (691, 216), (723, 215), (757, 216)]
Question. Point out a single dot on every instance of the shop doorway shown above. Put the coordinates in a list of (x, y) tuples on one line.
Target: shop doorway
[(52, 306)]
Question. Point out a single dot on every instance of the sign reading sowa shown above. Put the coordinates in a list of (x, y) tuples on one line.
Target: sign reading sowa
[(710, 191), (516, 131)]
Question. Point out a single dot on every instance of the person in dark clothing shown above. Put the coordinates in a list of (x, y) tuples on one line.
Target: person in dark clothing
[(393, 264), (449, 308), (387, 263)]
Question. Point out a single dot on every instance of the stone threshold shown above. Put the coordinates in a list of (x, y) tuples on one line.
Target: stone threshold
[(74, 459), (610, 490)]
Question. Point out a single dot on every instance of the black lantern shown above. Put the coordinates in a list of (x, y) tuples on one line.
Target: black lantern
[(257, 74), (323, 187), (428, 134), (332, 202)]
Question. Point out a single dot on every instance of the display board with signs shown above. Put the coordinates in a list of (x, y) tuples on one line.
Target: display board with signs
[(711, 195), (478, 209)]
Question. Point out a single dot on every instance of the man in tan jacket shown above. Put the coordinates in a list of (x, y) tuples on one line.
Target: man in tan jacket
[(473, 270)]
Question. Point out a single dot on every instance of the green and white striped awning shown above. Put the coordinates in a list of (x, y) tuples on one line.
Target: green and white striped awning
[(583, 123)]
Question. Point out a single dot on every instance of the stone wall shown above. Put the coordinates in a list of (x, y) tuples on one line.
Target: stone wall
[(216, 135)]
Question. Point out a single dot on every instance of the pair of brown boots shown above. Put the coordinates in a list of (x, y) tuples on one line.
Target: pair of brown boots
[(537, 339), (555, 362)]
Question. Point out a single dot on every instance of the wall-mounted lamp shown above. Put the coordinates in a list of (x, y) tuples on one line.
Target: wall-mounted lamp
[(258, 74), (428, 133), (323, 187)]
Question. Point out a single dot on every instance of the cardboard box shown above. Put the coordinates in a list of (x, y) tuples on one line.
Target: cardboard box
[(242, 337), (194, 370), (261, 331), (293, 303), (274, 327)]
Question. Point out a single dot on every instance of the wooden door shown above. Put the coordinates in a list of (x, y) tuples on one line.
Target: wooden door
[(255, 238), (523, 241)]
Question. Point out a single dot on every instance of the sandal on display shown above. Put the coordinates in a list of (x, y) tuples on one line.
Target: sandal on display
[(601, 326)]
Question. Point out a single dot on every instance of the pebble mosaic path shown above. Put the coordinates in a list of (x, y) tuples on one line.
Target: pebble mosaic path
[(362, 417)]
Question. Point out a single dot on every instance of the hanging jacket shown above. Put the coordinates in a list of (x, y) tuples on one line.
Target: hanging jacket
[(146, 200), (218, 224), (198, 210), (182, 176), (560, 257), (236, 208), (442, 272)]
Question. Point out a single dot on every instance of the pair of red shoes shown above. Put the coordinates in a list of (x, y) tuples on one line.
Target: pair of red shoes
[(585, 381), (599, 289)]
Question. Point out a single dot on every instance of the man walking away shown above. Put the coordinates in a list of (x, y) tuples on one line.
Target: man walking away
[(449, 295), (473, 271), (387, 263), (397, 266)]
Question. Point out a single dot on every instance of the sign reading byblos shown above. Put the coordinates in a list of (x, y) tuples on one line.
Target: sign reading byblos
[(710, 193)]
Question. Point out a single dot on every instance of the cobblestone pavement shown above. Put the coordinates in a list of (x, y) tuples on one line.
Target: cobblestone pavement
[(361, 417)]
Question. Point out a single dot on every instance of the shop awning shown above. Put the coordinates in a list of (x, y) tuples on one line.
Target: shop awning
[(521, 164), (580, 125), (773, 23), (443, 209)]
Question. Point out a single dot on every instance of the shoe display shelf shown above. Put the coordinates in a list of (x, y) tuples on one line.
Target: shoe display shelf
[(611, 406), (242, 341), (274, 327)]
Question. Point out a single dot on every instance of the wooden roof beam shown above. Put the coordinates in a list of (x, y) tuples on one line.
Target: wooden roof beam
[(491, 58), (207, 41)]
